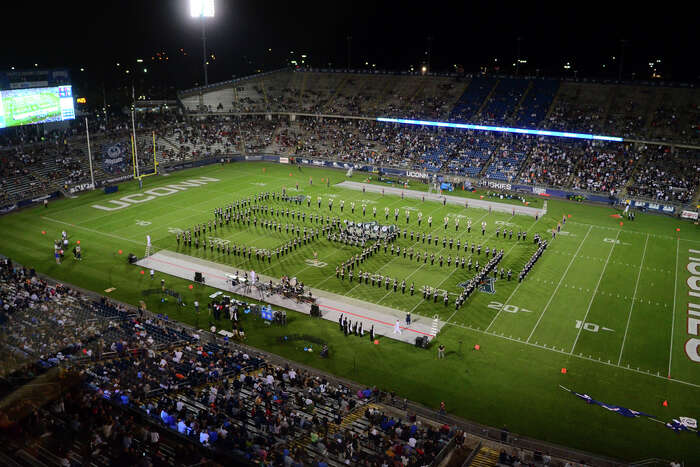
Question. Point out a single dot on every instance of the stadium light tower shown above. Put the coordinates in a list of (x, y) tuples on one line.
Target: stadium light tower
[(203, 9)]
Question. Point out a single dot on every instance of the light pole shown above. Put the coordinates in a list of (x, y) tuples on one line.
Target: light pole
[(203, 9)]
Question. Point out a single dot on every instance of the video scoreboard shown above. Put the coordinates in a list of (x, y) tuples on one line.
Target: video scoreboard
[(36, 105)]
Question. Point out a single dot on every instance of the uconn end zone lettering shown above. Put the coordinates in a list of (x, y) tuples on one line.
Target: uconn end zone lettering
[(153, 193), (692, 345)]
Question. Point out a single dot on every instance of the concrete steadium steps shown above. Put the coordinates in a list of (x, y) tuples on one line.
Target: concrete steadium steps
[(486, 457)]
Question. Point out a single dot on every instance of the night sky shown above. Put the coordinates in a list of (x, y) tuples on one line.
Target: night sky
[(392, 35)]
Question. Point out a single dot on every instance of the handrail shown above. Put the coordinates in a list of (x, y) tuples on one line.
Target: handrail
[(472, 455)]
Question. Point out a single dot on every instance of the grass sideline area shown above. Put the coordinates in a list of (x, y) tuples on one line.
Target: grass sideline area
[(607, 301)]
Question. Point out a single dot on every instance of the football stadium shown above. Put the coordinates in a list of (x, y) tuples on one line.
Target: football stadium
[(326, 266)]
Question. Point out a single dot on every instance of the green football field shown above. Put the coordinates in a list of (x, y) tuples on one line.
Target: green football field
[(607, 300)]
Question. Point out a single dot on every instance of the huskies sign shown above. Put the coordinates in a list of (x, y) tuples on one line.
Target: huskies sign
[(153, 193)]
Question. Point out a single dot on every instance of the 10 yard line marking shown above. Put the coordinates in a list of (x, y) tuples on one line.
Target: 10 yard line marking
[(673, 310), (594, 293), (582, 357), (629, 317), (573, 258)]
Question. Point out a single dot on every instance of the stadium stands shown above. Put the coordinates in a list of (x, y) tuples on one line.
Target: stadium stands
[(212, 394), (32, 168), (665, 175), (471, 101), (536, 103), (501, 105)]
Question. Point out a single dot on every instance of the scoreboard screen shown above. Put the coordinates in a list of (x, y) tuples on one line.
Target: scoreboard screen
[(37, 105)]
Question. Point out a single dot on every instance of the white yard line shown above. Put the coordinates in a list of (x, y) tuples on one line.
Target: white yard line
[(673, 310), (333, 274), (563, 352), (75, 226), (424, 264), (514, 290), (421, 301), (595, 291), (436, 229), (634, 296), (633, 231), (573, 258), (516, 287)]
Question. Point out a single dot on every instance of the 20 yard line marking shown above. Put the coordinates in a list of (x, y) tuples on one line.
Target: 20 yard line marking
[(559, 284), (595, 292), (673, 310), (634, 296), (514, 290)]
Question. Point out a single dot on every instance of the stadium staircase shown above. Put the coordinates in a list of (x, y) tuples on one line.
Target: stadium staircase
[(553, 104), (167, 142), (485, 457), (486, 101), (267, 101), (305, 440), (383, 97), (654, 103), (419, 89), (302, 90), (609, 101), (630, 179), (336, 91), (525, 165), (516, 111), (484, 169)]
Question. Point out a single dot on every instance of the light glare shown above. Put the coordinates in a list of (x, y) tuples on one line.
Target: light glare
[(202, 8), (501, 129)]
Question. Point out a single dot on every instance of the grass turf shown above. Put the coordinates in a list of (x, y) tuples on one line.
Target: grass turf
[(600, 302)]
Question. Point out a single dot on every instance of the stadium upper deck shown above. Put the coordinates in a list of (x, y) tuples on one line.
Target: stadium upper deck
[(646, 112)]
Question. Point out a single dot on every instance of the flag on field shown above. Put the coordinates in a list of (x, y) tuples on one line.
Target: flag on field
[(624, 411), (682, 424), (688, 422), (676, 425)]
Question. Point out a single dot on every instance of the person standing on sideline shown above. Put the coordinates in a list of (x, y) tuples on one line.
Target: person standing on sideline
[(397, 327), (408, 318), (153, 273), (441, 351)]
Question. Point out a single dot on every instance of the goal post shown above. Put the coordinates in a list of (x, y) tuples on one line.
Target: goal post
[(135, 157)]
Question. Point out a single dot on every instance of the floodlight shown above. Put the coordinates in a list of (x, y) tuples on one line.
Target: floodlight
[(202, 8)]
